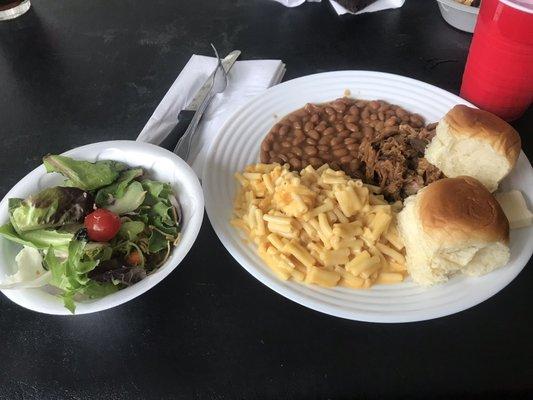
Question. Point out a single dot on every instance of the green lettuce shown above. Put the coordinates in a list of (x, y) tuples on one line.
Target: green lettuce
[(96, 290), (156, 191), (84, 174), (71, 275), (107, 195), (157, 242), (49, 208), (98, 251), (129, 230), (40, 238), (159, 211), (130, 201)]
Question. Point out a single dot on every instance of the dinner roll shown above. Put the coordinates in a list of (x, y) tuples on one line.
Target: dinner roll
[(453, 225), (476, 143)]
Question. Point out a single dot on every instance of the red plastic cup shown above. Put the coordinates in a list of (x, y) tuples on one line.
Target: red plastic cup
[(498, 76)]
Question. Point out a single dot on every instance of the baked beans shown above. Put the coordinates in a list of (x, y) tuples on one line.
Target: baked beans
[(331, 133)]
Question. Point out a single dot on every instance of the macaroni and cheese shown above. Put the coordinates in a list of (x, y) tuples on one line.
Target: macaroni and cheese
[(320, 226)]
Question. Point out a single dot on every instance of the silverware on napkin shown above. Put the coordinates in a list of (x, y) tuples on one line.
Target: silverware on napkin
[(190, 116)]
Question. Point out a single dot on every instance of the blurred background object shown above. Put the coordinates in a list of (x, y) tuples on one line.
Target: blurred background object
[(355, 5), (342, 7), (459, 13), (498, 76), (473, 3), (10, 9)]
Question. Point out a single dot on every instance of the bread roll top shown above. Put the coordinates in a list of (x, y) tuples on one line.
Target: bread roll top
[(461, 209), (485, 126)]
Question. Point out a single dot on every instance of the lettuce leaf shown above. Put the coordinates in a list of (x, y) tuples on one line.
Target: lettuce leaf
[(30, 272), (96, 290), (84, 174), (160, 215), (98, 251), (49, 208), (71, 275), (40, 238), (157, 188), (163, 211), (156, 191), (132, 199), (129, 230), (107, 195), (118, 273), (157, 242)]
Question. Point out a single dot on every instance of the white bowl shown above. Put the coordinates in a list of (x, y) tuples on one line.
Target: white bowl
[(162, 165), (459, 15)]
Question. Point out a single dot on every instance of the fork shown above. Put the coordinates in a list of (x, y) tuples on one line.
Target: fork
[(218, 85)]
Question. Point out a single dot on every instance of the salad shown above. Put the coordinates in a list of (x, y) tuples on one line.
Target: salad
[(107, 227)]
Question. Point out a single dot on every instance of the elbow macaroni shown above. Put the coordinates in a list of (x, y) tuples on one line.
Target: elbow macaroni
[(319, 226)]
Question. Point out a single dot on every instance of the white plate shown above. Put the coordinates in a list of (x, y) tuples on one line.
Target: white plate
[(162, 165), (238, 145)]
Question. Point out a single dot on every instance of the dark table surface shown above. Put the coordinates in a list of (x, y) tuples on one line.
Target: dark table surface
[(76, 72)]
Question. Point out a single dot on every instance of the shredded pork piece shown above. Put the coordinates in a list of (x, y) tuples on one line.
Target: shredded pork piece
[(395, 160)]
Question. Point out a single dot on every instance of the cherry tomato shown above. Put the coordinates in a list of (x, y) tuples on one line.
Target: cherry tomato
[(102, 225)]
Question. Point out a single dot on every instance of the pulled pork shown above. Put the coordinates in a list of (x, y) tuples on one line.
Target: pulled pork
[(393, 158)]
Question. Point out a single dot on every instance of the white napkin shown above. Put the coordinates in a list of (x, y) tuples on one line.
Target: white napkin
[(377, 6), (245, 80)]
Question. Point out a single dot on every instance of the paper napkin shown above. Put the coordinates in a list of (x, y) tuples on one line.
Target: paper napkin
[(245, 80)]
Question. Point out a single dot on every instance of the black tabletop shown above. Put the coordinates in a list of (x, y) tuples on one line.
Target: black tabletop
[(76, 72)]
